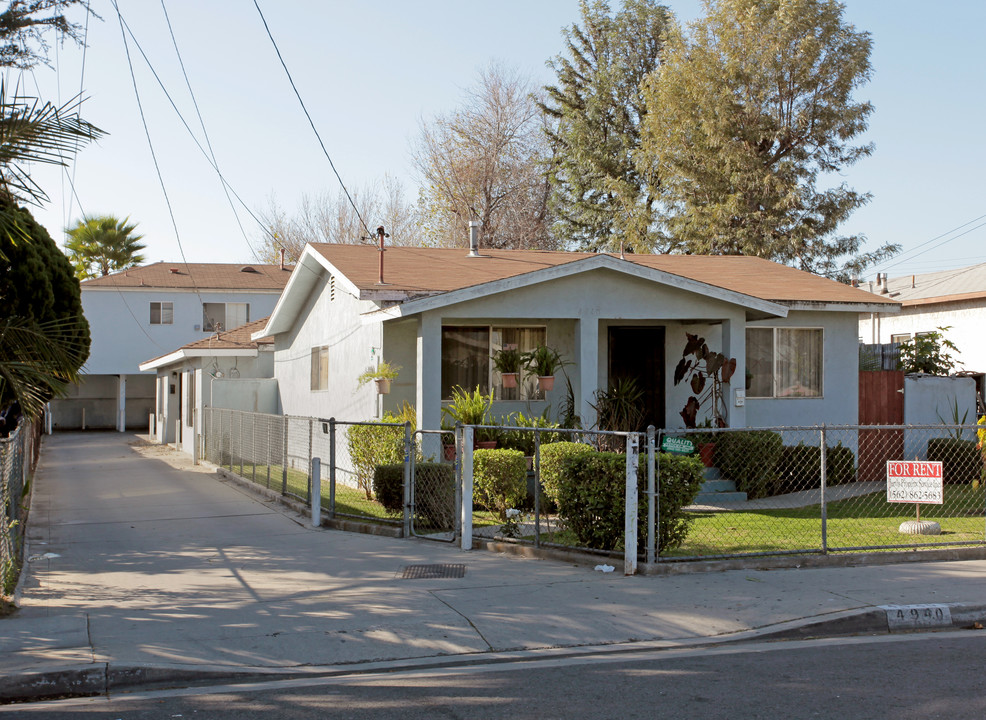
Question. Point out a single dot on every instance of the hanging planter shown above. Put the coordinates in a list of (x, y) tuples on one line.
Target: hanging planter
[(546, 383), (382, 375), (508, 363), (509, 379)]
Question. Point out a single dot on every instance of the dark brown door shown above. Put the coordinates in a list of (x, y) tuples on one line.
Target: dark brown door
[(638, 353), (881, 402)]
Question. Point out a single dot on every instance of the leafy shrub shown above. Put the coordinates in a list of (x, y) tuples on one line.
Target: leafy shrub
[(523, 440), (591, 498), (372, 445), (499, 480), (800, 467), (553, 459), (434, 495), (388, 486), (750, 459), (960, 459)]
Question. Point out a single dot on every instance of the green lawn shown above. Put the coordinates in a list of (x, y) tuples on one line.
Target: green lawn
[(868, 520)]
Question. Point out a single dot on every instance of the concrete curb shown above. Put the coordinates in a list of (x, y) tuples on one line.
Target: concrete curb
[(103, 678)]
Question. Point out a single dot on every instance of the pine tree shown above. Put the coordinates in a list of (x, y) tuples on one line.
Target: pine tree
[(749, 111), (601, 198)]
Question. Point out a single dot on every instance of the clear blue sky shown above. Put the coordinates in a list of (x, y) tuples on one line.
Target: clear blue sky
[(370, 71)]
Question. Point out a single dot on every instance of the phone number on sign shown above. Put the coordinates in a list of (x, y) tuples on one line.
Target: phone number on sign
[(902, 495)]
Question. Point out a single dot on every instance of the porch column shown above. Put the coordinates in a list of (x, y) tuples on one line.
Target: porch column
[(121, 404), (428, 383), (587, 349), (734, 346)]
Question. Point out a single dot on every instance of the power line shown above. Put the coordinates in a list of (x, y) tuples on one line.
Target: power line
[(205, 133), (150, 144), (310, 121), (906, 256)]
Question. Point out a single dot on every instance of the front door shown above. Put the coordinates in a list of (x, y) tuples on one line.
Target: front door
[(638, 353)]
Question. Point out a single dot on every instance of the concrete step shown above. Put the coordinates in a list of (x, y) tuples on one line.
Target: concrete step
[(711, 473), (718, 486), (717, 498)]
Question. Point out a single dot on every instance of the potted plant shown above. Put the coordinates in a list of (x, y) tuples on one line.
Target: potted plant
[(382, 375), (472, 408), (707, 371), (543, 362), (508, 362)]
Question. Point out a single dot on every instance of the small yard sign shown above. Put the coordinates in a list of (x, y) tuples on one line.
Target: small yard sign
[(914, 482), (677, 445)]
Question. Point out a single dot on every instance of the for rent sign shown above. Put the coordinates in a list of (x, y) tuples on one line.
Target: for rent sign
[(914, 482)]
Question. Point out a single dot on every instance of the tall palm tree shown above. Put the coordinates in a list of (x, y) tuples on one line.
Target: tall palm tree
[(103, 244)]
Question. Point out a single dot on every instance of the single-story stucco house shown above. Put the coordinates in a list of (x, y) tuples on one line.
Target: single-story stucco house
[(226, 370), (441, 313)]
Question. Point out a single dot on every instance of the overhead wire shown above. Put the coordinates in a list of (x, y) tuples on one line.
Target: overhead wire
[(150, 144), (205, 133), (308, 115), (909, 255)]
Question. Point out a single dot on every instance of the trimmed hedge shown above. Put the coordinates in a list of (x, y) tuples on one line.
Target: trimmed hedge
[(750, 458), (591, 498), (960, 459), (800, 468), (499, 480), (434, 501), (553, 458), (388, 486)]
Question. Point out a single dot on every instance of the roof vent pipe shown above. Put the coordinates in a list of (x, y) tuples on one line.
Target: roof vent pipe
[(474, 226), (381, 234), (282, 258)]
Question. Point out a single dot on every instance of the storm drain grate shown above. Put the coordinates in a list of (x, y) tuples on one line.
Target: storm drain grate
[(427, 572)]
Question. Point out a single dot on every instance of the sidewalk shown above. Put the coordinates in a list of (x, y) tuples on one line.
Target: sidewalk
[(140, 571)]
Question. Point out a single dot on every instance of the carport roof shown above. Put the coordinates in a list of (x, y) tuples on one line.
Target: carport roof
[(233, 342)]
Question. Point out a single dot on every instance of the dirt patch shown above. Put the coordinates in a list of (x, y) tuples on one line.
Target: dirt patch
[(167, 454), (7, 607)]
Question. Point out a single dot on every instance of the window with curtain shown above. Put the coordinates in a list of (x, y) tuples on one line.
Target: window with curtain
[(221, 317), (466, 359), (784, 362), (162, 313)]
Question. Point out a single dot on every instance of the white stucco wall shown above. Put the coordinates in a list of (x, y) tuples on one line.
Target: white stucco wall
[(353, 347), (965, 320), (122, 334)]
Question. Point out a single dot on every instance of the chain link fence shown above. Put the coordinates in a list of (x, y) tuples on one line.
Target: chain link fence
[(695, 494), (18, 458)]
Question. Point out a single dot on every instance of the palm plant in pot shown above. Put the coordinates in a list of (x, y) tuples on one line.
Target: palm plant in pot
[(543, 362), (382, 375), (508, 362), (472, 408)]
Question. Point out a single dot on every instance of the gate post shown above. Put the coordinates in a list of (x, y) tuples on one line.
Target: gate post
[(652, 499), (466, 486), (824, 460), (630, 519), (332, 467), (407, 479), (316, 492)]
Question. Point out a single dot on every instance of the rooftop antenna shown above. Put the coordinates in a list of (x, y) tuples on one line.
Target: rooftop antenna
[(380, 248)]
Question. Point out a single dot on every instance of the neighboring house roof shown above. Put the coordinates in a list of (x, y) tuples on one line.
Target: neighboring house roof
[(423, 278), (938, 287), (236, 342), (199, 276)]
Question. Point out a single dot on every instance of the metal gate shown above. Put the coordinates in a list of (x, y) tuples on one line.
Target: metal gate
[(434, 488)]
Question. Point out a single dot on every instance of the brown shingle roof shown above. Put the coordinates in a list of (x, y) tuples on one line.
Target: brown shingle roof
[(201, 276), (434, 270), (233, 339)]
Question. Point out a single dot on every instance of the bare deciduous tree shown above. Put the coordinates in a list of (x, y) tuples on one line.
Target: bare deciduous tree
[(485, 161), (328, 218)]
